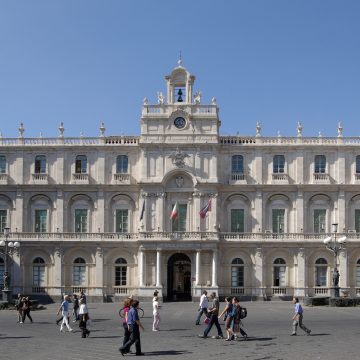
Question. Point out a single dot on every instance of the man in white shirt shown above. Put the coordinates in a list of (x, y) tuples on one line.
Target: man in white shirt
[(203, 306)]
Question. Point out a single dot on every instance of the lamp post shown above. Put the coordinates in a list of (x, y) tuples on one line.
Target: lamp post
[(8, 248), (335, 245)]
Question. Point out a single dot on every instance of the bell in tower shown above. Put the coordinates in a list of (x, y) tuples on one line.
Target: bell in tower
[(179, 93), (179, 85)]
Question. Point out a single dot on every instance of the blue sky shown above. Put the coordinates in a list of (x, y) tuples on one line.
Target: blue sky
[(274, 61)]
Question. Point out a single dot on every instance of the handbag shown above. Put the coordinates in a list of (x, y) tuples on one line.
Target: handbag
[(207, 320)]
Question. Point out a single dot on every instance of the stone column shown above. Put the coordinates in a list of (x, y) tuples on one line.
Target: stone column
[(59, 223), (158, 268), (258, 270), (19, 204), (160, 211), (99, 273), (100, 218), (198, 222), (214, 269), (299, 212), (301, 274), (213, 225), (16, 279), (197, 268), (257, 213), (341, 212), (141, 267), (343, 269), (57, 272)]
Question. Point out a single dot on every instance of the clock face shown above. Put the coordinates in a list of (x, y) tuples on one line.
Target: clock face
[(180, 122)]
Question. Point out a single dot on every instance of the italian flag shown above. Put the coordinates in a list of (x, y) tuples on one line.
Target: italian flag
[(175, 211)]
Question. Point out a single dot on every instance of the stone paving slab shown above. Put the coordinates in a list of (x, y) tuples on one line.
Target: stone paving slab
[(335, 335)]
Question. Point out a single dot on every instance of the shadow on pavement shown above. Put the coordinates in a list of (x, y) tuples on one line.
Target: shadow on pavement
[(177, 329), (15, 337), (105, 337), (99, 320), (259, 339), (167, 352), (319, 334)]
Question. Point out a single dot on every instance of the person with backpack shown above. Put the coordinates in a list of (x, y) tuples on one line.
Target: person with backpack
[(298, 318), (238, 314)]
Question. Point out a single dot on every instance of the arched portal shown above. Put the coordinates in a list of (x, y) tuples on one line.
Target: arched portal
[(179, 278)]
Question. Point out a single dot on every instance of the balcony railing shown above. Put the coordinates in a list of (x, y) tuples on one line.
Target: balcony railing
[(81, 178), (321, 178), (121, 178), (357, 178), (280, 178), (40, 178), (3, 179), (280, 290), (237, 178)]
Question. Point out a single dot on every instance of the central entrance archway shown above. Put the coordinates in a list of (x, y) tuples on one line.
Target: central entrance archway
[(179, 278)]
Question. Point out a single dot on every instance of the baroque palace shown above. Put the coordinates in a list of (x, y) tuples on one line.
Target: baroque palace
[(93, 214)]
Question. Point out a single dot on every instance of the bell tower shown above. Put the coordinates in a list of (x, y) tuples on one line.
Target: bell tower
[(179, 85)]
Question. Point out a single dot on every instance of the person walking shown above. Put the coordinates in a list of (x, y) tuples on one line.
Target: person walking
[(26, 309), (228, 311), (156, 313), (237, 325), (84, 317), (298, 318), (214, 319), (134, 325), (76, 306), (127, 305), (203, 306), (83, 296), (64, 308), (19, 305)]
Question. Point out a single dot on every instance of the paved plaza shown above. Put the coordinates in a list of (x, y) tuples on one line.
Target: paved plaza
[(335, 335)]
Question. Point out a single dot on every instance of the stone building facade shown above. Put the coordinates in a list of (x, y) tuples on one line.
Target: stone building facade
[(93, 214)]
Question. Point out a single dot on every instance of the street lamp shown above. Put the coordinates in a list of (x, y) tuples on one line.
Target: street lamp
[(335, 245), (8, 248)]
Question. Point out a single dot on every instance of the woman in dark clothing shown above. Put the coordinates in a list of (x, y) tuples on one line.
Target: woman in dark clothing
[(228, 311), (127, 333), (26, 309)]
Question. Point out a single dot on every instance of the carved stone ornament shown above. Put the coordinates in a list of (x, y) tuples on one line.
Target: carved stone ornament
[(178, 158), (179, 181), (59, 252)]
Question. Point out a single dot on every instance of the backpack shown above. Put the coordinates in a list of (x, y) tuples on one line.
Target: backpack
[(243, 313)]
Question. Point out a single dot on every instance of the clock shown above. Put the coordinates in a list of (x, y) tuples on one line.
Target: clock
[(180, 122)]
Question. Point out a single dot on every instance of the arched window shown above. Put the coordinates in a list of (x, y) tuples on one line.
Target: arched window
[(320, 164), (358, 164), (237, 164), (2, 164), (79, 272), (122, 164), (120, 272), (279, 267), (358, 273), (40, 164), (278, 164), (81, 164), (237, 273), (2, 269), (39, 272), (321, 266)]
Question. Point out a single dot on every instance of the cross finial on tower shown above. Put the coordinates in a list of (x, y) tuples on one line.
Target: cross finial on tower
[(180, 59)]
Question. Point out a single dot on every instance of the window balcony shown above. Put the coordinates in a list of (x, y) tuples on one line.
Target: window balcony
[(40, 178), (121, 179), (279, 291), (321, 178), (280, 178), (357, 178), (3, 179), (80, 178), (237, 178)]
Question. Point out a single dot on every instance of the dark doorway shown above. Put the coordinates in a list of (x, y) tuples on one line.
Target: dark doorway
[(179, 278)]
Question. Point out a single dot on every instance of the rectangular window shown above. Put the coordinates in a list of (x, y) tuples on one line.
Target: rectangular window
[(40, 221), (81, 220), (278, 221), (320, 164), (79, 275), (319, 221), (279, 275), (357, 220), (2, 164), (3, 220), (237, 220), (120, 275), (321, 272), (237, 276), (40, 164), (81, 164), (179, 223), (2, 276), (122, 218), (358, 276), (39, 275), (278, 164)]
